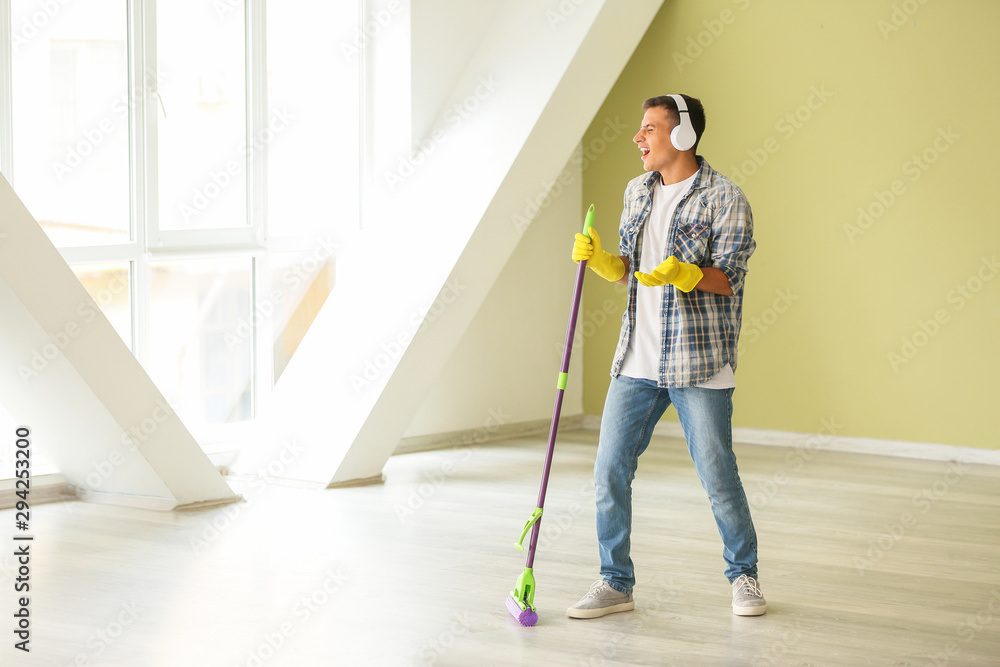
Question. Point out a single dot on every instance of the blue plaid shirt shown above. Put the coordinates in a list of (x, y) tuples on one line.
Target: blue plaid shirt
[(712, 226)]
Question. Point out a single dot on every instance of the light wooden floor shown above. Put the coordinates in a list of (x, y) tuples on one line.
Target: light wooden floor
[(857, 566)]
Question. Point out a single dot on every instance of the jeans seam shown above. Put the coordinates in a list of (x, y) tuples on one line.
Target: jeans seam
[(746, 501), (741, 507), (633, 466)]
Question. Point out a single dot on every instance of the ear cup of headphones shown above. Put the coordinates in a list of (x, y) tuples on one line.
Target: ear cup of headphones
[(683, 136)]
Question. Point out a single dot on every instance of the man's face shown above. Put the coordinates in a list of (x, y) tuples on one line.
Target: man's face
[(653, 139)]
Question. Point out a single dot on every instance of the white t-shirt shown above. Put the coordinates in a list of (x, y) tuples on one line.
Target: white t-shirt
[(642, 359)]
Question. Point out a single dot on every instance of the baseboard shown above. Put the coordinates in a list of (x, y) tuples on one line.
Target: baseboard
[(364, 481), (904, 449), (209, 504), (157, 503), (479, 436), (55, 488), (44, 489)]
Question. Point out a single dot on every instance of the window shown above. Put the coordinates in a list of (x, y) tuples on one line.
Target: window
[(69, 75), (193, 161), (201, 124), (195, 305), (110, 286)]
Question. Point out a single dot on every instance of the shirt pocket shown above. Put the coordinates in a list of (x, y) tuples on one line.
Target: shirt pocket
[(627, 236), (692, 242)]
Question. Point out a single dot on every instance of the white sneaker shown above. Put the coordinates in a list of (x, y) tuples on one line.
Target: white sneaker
[(747, 598), (601, 601)]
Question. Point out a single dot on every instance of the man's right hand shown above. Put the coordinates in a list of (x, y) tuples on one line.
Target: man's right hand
[(604, 264)]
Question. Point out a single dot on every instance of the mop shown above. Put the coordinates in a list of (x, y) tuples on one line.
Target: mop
[(521, 600)]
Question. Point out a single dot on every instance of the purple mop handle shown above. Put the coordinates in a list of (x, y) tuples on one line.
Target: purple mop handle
[(563, 370)]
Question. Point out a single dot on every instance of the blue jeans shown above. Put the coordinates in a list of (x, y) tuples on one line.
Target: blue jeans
[(632, 408)]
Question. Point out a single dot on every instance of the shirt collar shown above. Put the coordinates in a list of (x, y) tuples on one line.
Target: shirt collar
[(700, 181)]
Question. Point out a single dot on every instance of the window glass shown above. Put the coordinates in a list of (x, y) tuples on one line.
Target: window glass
[(108, 285), (196, 308), (201, 143), (70, 118)]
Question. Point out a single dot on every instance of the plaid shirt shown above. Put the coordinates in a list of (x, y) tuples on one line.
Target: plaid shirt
[(712, 226)]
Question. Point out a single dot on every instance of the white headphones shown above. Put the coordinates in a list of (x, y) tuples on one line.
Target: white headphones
[(683, 137)]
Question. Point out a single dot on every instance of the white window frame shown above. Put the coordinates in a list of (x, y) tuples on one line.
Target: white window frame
[(251, 236)]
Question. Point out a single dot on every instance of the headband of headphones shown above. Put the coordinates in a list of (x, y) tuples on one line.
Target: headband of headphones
[(683, 137)]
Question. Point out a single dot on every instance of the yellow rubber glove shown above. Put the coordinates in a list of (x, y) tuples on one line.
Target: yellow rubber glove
[(608, 266), (681, 275)]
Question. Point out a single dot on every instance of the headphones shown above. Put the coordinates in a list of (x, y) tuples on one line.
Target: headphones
[(683, 137)]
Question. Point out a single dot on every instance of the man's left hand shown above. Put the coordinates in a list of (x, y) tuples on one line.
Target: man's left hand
[(680, 274)]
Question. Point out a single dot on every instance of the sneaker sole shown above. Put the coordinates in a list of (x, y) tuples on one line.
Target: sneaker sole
[(602, 611), (750, 611)]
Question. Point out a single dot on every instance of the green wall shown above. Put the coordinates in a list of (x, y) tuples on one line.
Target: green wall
[(887, 326)]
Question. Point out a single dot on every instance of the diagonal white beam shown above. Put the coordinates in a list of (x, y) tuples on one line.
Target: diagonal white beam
[(67, 375), (453, 221)]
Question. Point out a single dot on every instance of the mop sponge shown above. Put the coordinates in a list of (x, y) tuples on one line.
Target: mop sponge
[(526, 617), (520, 602)]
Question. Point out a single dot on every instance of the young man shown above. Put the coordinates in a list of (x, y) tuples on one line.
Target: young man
[(686, 234)]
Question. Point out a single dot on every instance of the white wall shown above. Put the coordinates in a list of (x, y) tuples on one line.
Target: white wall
[(445, 35), (505, 366)]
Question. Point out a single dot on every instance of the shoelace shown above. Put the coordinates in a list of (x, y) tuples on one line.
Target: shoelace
[(748, 586), (595, 589)]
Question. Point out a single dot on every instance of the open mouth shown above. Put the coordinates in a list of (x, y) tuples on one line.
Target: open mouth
[(644, 152)]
